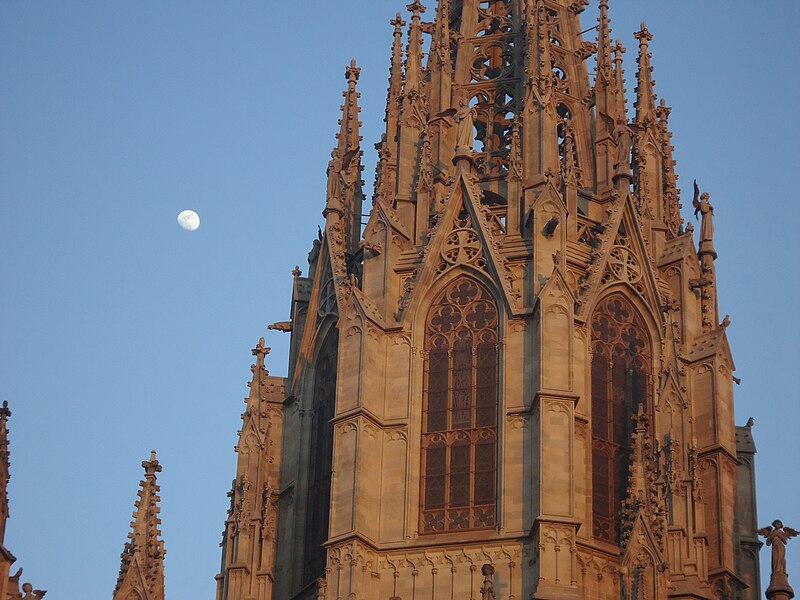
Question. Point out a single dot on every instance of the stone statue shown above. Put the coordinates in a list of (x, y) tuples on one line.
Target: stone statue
[(335, 167), (624, 140), (777, 536), (465, 120), (703, 207)]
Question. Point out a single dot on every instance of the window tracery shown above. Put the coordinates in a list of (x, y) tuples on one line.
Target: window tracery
[(621, 383), (459, 440)]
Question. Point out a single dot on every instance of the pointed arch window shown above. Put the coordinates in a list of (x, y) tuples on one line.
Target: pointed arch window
[(321, 457), (621, 383), (459, 429)]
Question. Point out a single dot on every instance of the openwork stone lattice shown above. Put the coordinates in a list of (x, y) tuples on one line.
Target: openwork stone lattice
[(621, 382), (459, 440), (462, 246)]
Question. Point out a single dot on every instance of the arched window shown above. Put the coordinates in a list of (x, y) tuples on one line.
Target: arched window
[(459, 429), (321, 457), (621, 383)]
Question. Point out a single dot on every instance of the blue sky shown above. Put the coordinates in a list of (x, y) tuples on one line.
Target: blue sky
[(120, 332)]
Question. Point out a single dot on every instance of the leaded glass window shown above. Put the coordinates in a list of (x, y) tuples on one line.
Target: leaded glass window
[(459, 439), (621, 383)]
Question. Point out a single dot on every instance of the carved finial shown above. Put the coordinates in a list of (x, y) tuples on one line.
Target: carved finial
[(261, 350), (398, 23), (416, 8), (487, 589), (352, 73)]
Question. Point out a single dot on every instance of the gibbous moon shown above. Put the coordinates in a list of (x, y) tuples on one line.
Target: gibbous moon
[(189, 220)]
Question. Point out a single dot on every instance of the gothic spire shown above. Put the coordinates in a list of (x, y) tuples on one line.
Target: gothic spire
[(5, 474), (621, 108), (395, 79), (645, 94), (609, 95), (142, 567), (672, 205), (345, 195), (440, 62), (413, 78), (386, 172), (604, 47)]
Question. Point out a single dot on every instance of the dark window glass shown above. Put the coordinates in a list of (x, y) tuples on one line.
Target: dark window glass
[(459, 439), (621, 382), (320, 467)]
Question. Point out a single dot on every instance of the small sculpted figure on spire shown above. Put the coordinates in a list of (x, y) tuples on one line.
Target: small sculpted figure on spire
[(702, 206), (465, 119)]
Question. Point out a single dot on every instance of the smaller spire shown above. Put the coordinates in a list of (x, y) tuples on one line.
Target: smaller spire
[(5, 465), (143, 555), (645, 93), (621, 107), (440, 44), (672, 204), (440, 62), (604, 47), (344, 195), (350, 127), (413, 79), (395, 78)]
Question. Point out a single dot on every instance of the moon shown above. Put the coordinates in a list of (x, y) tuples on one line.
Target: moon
[(189, 220)]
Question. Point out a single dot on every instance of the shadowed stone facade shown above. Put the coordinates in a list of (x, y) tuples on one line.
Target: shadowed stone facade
[(514, 382)]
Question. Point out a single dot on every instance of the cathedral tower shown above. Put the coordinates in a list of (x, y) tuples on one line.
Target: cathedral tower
[(515, 382)]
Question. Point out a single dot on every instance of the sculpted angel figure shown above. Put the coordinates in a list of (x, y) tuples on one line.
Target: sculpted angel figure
[(622, 134), (777, 536), (703, 207), (465, 119), (335, 176)]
